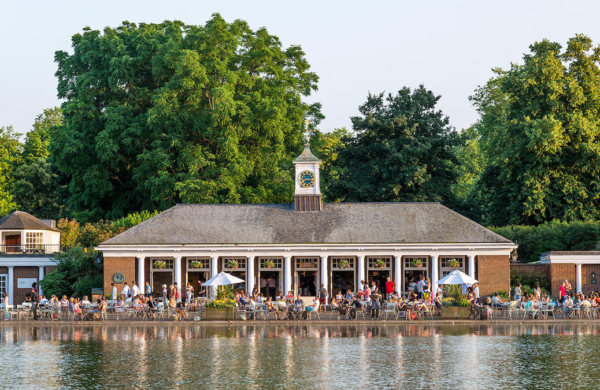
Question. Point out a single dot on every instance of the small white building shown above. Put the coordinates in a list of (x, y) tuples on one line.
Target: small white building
[(25, 249)]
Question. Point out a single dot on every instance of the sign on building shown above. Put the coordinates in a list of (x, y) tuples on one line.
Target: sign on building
[(25, 282)]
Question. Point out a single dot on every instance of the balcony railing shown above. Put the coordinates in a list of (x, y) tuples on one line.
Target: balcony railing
[(29, 249)]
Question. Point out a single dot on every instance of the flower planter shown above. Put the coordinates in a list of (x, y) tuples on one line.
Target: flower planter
[(455, 312), (221, 314)]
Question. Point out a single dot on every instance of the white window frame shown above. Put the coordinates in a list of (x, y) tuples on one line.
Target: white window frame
[(371, 260), (242, 263), (444, 271), (34, 240), (278, 261), (4, 284), (204, 261), (167, 261), (307, 260), (335, 263)]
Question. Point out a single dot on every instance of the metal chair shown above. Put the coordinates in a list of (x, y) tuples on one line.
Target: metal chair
[(390, 309)]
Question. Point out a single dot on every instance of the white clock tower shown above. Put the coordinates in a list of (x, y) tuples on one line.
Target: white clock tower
[(307, 196)]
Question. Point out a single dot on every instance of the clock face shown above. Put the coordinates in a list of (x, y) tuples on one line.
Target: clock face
[(306, 179)]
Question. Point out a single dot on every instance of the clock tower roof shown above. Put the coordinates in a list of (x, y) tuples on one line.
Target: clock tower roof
[(307, 156)]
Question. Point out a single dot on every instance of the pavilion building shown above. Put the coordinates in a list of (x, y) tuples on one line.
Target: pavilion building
[(302, 245)]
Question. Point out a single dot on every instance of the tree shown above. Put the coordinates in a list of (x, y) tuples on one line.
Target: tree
[(327, 146), (77, 271), (402, 150), (38, 139), (10, 156), (540, 130), (471, 162), (36, 190), (163, 113)]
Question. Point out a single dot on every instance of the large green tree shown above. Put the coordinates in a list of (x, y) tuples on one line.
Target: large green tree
[(402, 150), (38, 139), (10, 157), (36, 190), (162, 113), (540, 132)]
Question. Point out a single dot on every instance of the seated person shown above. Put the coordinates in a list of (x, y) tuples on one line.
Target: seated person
[(44, 300), (334, 304), (298, 306), (496, 301), (151, 307), (355, 306), (180, 310), (348, 297), (312, 307), (339, 296), (270, 308)]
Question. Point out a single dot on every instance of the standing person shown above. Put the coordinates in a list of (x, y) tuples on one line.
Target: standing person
[(568, 287), (35, 298), (135, 290), (362, 286), (263, 286), (476, 291), (113, 294), (189, 292), (518, 291), (176, 292), (375, 306), (323, 295), (272, 287), (148, 290), (390, 287), (561, 292), (126, 290), (420, 287)]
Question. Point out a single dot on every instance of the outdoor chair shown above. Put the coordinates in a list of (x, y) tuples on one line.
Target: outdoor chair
[(391, 310), (241, 312), (428, 311), (314, 313)]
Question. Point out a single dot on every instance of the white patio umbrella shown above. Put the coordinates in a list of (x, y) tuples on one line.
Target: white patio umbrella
[(457, 277), (221, 279)]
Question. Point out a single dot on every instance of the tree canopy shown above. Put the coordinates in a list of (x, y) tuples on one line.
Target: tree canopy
[(402, 150), (162, 113), (540, 132)]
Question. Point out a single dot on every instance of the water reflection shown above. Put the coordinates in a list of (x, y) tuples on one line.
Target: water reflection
[(300, 356)]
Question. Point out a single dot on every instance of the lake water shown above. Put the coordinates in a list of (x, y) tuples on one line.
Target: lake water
[(301, 356)]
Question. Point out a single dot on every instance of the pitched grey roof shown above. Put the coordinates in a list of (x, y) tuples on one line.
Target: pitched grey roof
[(343, 223), (20, 220)]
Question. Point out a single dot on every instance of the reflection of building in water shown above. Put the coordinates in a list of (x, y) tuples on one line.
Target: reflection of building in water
[(299, 247)]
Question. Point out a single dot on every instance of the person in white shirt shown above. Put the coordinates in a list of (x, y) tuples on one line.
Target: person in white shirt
[(113, 294), (135, 290), (476, 291), (420, 287), (44, 300), (125, 291)]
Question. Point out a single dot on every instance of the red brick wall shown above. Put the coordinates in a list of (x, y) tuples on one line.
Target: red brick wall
[(112, 265), (529, 269), (586, 278), (23, 272), (493, 274), (558, 274)]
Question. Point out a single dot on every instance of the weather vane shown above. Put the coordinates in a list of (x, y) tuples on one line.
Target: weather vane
[(306, 131)]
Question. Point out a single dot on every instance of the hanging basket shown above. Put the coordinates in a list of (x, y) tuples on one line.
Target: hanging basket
[(232, 264), (195, 264), (269, 264), (453, 263), (343, 264), (417, 263), (159, 264), (380, 264)]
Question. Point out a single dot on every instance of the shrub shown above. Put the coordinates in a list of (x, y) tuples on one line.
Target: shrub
[(464, 302), (224, 293), (502, 294), (221, 303), (453, 291), (529, 279)]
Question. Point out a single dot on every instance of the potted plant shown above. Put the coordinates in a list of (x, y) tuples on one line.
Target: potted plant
[(417, 263), (232, 264), (159, 264), (195, 264), (380, 264), (343, 264), (454, 263), (269, 264), (223, 307)]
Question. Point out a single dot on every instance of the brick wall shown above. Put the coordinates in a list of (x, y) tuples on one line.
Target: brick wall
[(493, 274), (558, 274), (586, 278), (23, 272), (112, 265), (529, 269)]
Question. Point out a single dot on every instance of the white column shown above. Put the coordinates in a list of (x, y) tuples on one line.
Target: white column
[(398, 274), (250, 270), (40, 278), (361, 271), (472, 266), (434, 274), (214, 271), (323, 272), (11, 287), (177, 261), (578, 273), (287, 268), (142, 277)]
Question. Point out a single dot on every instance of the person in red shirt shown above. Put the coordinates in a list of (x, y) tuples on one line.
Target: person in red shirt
[(562, 292), (390, 287)]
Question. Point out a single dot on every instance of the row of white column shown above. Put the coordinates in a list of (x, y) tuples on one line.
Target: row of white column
[(398, 280)]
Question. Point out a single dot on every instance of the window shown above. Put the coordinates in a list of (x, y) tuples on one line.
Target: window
[(3, 283), (375, 261), (307, 263), (229, 263), (416, 263), (34, 240), (162, 264), (270, 264), (346, 262), (445, 264), (198, 264)]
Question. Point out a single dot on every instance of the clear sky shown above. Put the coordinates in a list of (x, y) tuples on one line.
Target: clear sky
[(354, 46)]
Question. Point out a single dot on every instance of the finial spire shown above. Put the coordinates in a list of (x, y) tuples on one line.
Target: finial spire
[(306, 131)]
